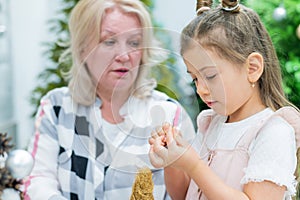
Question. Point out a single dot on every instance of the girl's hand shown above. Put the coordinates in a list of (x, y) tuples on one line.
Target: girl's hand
[(169, 149)]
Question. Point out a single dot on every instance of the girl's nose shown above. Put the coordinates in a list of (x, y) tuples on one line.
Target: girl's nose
[(202, 88)]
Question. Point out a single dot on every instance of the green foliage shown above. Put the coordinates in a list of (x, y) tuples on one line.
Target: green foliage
[(52, 76), (286, 42)]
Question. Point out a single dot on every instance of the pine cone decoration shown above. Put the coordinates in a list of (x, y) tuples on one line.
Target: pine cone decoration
[(5, 178), (7, 181), (4, 143)]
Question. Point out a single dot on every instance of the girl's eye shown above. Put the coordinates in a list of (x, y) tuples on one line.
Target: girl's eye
[(210, 77)]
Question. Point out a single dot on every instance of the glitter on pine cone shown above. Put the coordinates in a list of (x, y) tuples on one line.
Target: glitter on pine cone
[(5, 145), (142, 188), (7, 181)]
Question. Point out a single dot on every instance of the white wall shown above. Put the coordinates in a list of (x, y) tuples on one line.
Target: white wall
[(29, 29), (174, 14)]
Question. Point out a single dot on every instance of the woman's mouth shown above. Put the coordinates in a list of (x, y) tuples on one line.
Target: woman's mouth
[(121, 71)]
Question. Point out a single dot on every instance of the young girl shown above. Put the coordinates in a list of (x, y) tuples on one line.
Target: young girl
[(246, 147)]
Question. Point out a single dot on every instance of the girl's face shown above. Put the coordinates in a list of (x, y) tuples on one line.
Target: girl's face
[(114, 63), (223, 86)]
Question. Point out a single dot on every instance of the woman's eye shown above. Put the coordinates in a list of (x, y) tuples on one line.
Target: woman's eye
[(109, 42), (134, 43)]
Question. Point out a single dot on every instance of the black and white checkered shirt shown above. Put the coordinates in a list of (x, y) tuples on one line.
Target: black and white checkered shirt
[(80, 156)]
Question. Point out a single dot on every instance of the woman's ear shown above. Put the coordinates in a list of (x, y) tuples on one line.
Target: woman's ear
[(255, 66)]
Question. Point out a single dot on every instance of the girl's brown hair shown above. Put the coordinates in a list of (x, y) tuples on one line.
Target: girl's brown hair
[(234, 31)]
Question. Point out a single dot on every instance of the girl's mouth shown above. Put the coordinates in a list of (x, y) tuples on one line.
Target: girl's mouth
[(210, 103)]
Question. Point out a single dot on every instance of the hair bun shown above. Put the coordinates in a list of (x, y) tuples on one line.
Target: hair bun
[(203, 5), (230, 5)]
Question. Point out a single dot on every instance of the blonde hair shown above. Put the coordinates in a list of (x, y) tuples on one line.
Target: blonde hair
[(234, 35), (84, 25)]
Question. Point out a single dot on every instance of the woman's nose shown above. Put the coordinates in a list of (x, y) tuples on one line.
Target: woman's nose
[(122, 54)]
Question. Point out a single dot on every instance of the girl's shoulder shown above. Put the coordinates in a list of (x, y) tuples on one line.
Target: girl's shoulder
[(205, 118), (290, 117), (281, 125)]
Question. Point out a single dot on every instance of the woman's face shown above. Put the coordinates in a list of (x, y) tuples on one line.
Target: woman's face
[(114, 63), (223, 86)]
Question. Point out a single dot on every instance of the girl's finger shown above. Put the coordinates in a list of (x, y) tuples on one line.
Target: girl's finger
[(155, 160), (151, 140), (157, 145), (166, 126), (160, 131), (160, 150), (178, 137), (154, 134), (169, 135)]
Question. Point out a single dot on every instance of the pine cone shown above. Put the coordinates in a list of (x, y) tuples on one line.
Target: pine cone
[(7, 181), (4, 143), (5, 178)]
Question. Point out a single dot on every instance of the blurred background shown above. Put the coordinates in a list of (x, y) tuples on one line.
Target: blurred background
[(29, 31), (33, 34)]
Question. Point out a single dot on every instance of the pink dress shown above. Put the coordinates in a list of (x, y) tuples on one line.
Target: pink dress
[(229, 164)]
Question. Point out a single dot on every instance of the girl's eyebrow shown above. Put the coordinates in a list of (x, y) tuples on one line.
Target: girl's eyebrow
[(202, 69)]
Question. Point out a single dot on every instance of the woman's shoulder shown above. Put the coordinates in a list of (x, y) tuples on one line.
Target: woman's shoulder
[(61, 91), (160, 96), (57, 96)]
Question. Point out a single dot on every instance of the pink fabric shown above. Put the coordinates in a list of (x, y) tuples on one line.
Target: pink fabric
[(229, 164), (26, 185), (292, 116), (177, 115), (37, 133), (26, 182)]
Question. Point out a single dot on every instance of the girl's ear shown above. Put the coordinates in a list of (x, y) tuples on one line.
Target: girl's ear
[(255, 66)]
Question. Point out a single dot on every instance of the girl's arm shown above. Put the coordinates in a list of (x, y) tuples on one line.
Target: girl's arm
[(214, 188), (178, 189), (176, 180), (177, 183), (181, 156)]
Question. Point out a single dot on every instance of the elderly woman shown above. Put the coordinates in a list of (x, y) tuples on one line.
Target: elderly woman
[(92, 137)]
